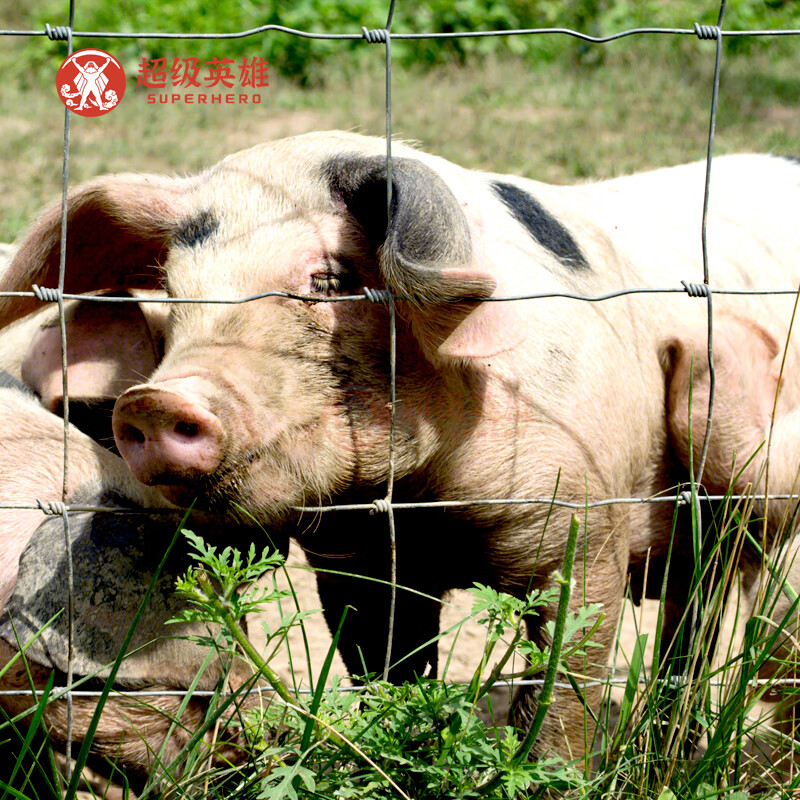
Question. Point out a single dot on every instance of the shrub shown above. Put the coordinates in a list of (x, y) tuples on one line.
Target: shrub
[(307, 60)]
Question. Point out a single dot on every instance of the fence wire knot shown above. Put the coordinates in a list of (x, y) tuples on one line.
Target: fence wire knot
[(685, 498), (380, 506), (56, 33), (696, 289), (376, 295), (53, 509), (707, 31), (375, 36), (45, 294)]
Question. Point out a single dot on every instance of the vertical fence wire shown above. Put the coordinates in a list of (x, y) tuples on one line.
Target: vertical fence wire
[(392, 360), (716, 34), (62, 324), (699, 599)]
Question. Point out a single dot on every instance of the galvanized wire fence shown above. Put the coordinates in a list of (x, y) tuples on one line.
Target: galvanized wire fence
[(688, 494)]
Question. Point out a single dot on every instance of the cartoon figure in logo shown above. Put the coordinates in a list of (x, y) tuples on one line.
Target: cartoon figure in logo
[(91, 81)]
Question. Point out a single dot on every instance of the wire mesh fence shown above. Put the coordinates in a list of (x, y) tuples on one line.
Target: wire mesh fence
[(387, 504)]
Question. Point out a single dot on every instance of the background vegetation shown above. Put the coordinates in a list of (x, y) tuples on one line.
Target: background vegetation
[(301, 59), (549, 107)]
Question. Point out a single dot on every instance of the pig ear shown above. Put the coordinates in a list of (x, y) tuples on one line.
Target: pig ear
[(424, 251), (110, 347), (118, 229)]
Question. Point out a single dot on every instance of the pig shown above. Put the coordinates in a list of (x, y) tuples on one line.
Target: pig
[(747, 403), (110, 346), (282, 404), (114, 560)]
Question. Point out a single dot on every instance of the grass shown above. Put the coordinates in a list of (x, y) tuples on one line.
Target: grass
[(697, 736)]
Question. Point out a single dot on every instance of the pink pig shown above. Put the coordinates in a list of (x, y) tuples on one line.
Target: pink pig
[(114, 557), (269, 406), (747, 374)]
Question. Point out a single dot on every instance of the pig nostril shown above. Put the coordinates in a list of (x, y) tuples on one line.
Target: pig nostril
[(187, 428), (167, 437), (133, 434)]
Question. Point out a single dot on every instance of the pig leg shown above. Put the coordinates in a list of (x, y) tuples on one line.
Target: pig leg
[(365, 555), (746, 385), (598, 577), (363, 641)]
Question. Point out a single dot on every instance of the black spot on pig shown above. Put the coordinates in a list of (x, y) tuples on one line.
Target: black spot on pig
[(196, 230), (540, 224)]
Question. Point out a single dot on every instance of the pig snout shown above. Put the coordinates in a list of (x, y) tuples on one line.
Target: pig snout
[(167, 434)]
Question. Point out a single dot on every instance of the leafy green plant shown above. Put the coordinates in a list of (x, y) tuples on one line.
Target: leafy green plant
[(681, 732), (693, 726), (429, 739), (424, 739)]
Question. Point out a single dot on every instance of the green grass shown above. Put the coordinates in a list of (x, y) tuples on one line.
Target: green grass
[(428, 740)]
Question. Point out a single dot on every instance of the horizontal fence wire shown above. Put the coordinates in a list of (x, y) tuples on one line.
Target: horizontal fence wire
[(684, 498), (47, 295), (681, 496), (58, 33), (620, 681)]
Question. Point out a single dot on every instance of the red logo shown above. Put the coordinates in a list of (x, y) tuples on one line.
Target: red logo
[(90, 83)]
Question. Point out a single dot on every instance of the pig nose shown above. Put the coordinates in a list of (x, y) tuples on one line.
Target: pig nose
[(166, 437)]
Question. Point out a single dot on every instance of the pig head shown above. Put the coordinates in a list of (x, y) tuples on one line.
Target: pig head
[(237, 431), (111, 345)]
